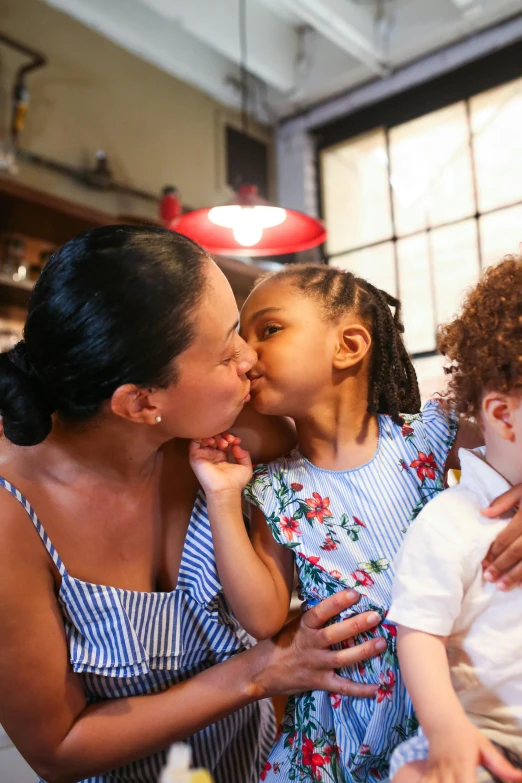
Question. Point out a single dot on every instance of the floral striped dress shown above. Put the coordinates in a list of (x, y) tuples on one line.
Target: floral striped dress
[(345, 529)]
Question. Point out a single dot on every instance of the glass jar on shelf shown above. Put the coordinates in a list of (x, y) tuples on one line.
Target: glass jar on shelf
[(14, 263)]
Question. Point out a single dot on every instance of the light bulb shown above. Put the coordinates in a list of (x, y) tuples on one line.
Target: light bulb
[(247, 229), (247, 223)]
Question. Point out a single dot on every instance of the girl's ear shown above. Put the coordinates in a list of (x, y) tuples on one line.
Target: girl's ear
[(354, 342)]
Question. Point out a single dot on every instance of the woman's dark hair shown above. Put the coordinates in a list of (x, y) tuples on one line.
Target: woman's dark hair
[(113, 306), (393, 387)]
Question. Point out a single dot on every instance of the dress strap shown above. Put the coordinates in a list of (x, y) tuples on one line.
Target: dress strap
[(36, 522)]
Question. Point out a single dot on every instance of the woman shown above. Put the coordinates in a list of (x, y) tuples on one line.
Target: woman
[(109, 593)]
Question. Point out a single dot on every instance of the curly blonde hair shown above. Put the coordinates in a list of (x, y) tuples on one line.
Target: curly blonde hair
[(484, 344)]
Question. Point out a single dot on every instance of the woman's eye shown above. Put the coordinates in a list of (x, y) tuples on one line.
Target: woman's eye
[(232, 358)]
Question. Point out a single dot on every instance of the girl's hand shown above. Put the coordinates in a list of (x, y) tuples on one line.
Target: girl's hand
[(457, 751), (503, 562), (300, 657), (210, 461)]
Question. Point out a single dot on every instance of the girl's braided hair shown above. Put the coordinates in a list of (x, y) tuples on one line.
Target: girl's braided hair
[(393, 387)]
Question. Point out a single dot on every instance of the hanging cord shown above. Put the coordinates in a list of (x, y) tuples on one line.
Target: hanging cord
[(243, 65)]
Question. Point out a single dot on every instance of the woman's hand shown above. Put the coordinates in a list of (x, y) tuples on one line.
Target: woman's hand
[(458, 750), (299, 658), (210, 461), (503, 562)]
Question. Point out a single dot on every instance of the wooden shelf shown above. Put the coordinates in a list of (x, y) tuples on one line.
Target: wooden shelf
[(23, 285), (42, 216)]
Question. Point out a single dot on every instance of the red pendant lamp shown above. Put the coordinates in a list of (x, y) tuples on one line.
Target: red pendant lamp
[(248, 225)]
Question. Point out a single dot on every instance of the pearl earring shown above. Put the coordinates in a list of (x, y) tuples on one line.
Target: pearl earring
[(158, 419)]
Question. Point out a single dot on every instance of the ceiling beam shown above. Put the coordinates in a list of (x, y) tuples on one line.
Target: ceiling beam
[(345, 24), (271, 41), (164, 44)]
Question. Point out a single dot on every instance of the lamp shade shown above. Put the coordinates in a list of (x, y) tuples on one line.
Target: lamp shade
[(250, 226)]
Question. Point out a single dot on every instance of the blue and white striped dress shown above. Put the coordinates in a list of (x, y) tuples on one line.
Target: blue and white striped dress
[(125, 643), (345, 529)]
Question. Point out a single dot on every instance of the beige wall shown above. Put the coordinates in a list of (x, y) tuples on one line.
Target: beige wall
[(93, 95)]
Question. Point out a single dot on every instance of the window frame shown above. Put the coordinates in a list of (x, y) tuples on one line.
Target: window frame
[(460, 85)]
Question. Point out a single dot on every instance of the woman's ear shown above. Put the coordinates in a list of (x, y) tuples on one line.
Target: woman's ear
[(499, 413), (135, 404), (353, 344)]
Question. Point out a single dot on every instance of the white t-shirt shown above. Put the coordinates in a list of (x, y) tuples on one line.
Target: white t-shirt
[(439, 589)]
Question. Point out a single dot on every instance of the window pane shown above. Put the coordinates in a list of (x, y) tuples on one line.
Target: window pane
[(431, 171), (496, 119), (430, 375), (416, 293), (375, 264), (456, 266), (356, 192), (500, 233)]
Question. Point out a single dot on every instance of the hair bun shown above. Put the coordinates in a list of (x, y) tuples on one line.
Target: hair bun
[(24, 406)]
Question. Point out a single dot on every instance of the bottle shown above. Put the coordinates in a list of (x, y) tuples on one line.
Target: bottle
[(178, 767)]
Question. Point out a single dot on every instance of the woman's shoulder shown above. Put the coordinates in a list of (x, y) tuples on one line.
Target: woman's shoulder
[(265, 437)]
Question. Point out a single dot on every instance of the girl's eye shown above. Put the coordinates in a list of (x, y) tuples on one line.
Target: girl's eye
[(270, 329)]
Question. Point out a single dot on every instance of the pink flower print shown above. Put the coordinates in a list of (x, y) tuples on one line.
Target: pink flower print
[(425, 465), (328, 544), (291, 740), (406, 430), (362, 579), (331, 750), (318, 507), (336, 574), (266, 769), (392, 629), (314, 560), (386, 686), (358, 522), (364, 750), (312, 759), (289, 526), (335, 699), (296, 486)]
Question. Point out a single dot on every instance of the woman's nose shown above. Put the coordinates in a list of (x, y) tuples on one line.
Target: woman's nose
[(248, 359)]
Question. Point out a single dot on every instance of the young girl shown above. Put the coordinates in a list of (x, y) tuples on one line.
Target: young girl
[(331, 356), (450, 618)]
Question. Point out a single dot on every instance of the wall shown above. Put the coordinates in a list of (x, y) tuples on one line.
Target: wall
[(93, 95)]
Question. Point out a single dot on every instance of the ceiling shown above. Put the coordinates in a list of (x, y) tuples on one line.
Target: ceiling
[(298, 52)]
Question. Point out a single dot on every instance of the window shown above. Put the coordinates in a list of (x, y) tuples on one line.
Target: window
[(418, 208)]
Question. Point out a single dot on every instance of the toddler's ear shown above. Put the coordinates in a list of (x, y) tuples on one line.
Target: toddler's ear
[(502, 413), (353, 344)]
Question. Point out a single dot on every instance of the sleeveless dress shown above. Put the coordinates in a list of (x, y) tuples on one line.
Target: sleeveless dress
[(345, 529), (124, 643)]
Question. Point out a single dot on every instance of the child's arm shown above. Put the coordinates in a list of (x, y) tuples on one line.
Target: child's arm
[(457, 748), (257, 583)]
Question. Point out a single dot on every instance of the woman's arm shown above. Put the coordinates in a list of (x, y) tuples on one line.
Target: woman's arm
[(42, 703), (503, 562), (257, 584)]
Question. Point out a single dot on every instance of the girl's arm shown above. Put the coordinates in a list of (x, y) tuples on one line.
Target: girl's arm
[(457, 748), (257, 582)]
